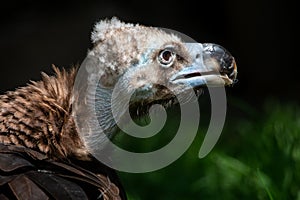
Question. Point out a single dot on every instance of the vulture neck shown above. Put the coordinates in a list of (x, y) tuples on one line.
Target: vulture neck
[(93, 115), (51, 117)]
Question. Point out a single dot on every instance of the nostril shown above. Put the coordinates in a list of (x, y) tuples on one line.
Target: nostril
[(198, 55)]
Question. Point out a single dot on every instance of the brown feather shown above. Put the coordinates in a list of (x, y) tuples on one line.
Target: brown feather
[(41, 155), (38, 116)]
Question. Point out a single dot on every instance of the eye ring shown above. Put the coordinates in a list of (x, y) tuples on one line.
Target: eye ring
[(166, 58)]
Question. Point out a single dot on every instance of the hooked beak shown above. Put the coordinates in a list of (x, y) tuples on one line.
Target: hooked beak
[(212, 65)]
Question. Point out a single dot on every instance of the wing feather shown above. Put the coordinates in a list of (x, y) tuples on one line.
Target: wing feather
[(28, 174), (24, 188)]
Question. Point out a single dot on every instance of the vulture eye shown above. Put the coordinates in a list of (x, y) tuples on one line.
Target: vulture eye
[(166, 58)]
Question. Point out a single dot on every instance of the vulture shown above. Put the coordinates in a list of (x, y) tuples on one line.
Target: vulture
[(42, 153)]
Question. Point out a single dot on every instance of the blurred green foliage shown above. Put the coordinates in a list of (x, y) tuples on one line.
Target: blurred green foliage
[(257, 157)]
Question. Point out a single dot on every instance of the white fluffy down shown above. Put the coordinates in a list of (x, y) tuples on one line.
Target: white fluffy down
[(104, 27)]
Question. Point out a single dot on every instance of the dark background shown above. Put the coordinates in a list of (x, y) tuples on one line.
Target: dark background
[(35, 35)]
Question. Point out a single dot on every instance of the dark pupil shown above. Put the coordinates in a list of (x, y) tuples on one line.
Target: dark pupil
[(166, 55)]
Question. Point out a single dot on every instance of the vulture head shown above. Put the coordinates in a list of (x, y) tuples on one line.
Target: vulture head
[(133, 67), (144, 58)]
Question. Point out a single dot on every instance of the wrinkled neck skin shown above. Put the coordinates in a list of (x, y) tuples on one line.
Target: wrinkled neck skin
[(92, 113)]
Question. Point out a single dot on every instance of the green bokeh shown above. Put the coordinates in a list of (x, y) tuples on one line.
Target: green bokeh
[(257, 157)]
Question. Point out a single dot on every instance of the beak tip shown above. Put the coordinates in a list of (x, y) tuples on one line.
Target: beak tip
[(226, 62)]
